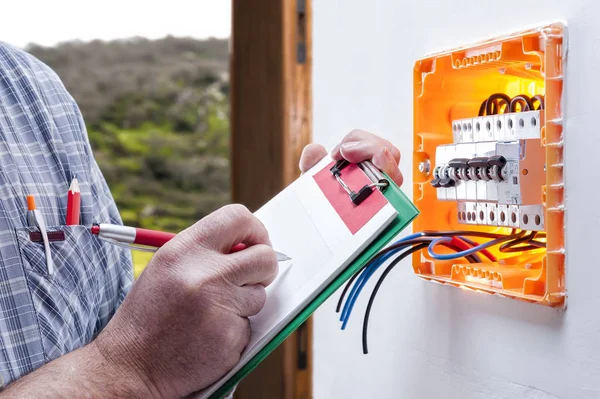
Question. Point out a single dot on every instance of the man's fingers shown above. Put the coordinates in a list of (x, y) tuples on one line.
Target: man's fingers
[(384, 160), (228, 226), (358, 151), (360, 136), (254, 265), (311, 154), (352, 137)]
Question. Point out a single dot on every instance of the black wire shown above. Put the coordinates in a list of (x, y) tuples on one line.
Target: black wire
[(474, 258), (498, 105), (520, 99), (466, 233), (511, 246), (493, 104), (346, 287), (421, 243), (418, 240), (473, 244), (499, 97), (495, 107), (426, 235), (394, 247), (482, 108), (540, 98), (376, 289), (398, 260)]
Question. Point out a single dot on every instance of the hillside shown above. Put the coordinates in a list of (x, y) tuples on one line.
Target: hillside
[(158, 119)]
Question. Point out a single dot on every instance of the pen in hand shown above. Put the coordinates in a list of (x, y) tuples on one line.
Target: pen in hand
[(150, 238)]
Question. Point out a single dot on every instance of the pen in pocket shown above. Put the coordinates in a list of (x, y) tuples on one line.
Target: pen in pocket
[(73, 203), (30, 211), (34, 218)]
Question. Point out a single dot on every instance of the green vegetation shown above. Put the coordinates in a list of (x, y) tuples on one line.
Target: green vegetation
[(157, 115)]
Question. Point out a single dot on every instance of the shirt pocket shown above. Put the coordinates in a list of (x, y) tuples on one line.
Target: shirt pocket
[(77, 300)]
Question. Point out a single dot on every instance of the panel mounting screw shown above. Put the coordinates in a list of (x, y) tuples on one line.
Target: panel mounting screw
[(425, 166)]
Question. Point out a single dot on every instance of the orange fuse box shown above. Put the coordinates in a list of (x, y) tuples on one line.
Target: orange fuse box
[(488, 157)]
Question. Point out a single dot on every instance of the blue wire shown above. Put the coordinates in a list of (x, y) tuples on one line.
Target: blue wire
[(371, 269), (461, 254), (409, 237), (360, 278), (473, 243), (366, 275), (358, 286), (363, 272)]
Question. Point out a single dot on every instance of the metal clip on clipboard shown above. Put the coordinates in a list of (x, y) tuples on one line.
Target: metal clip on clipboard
[(377, 178)]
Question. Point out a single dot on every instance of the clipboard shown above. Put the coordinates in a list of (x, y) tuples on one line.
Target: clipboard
[(407, 212)]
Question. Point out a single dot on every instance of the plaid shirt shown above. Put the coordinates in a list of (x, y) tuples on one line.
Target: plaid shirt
[(43, 144)]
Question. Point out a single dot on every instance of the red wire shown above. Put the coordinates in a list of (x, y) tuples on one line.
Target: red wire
[(464, 246)]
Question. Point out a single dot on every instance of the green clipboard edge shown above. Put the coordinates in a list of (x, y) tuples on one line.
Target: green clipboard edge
[(406, 214)]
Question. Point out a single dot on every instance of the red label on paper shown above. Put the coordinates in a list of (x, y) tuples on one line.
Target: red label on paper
[(353, 216)]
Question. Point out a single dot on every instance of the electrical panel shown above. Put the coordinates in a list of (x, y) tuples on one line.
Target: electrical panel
[(488, 157)]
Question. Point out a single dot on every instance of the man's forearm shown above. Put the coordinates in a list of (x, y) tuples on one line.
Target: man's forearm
[(84, 372)]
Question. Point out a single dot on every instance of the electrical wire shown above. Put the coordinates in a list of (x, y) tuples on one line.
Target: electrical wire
[(366, 272), (488, 244), (370, 268), (378, 285), (493, 104), (497, 107), (346, 287), (374, 259), (501, 97), (540, 99), (485, 252), (454, 239), (511, 246), (408, 240), (523, 100), (374, 264), (465, 233), (426, 233), (457, 246), (482, 108)]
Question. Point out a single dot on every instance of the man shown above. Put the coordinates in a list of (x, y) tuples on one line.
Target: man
[(86, 327)]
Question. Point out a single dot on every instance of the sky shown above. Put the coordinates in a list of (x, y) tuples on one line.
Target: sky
[(48, 22)]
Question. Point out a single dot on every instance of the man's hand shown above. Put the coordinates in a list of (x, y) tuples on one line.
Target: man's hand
[(358, 146), (184, 324)]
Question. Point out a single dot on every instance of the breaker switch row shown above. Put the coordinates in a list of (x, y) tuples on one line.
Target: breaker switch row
[(474, 169)]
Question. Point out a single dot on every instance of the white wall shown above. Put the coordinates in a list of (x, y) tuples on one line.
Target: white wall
[(431, 341)]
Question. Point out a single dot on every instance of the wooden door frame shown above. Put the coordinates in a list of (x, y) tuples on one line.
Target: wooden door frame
[(271, 122)]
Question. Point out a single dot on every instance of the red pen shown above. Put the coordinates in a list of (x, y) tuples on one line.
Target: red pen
[(150, 238), (73, 203)]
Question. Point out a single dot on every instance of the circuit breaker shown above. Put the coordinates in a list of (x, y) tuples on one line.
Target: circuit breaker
[(488, 157)]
